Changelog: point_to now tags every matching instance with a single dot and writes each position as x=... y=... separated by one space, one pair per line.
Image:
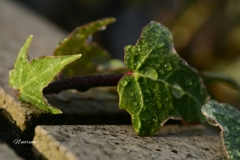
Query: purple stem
x=83 y=83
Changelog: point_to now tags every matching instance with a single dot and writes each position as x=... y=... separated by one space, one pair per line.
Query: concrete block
x=120 y=142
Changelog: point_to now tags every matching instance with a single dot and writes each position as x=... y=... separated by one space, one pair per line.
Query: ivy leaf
x=228 y=119
x=160 y=85
x=29 y=78
x=78 y=42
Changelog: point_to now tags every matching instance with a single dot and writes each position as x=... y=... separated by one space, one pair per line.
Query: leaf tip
x=56 y=111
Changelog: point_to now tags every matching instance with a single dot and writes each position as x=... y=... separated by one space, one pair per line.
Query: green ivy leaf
x=160 y=85
x=77 y=42
x=228 y=119
x=31 y=77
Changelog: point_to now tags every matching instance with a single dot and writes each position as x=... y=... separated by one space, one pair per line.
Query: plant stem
x=83 y=83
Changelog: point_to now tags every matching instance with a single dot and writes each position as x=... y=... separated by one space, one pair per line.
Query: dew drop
x=175 y=62
x=168 y=67
x=134 y=103
x=160 y=43
x=131 y=94
x=151 y=73
x=123 y=82
x=138 y=64
x=133 y=117
x=127 y=77
x=147 y=91
x=161 y=71
x=177 y=91
x=128 y=48
x=157 y=64
x=189 y=82
x=34 y=84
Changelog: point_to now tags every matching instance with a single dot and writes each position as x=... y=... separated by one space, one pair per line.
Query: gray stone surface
x=120 y=142
x=7 y=153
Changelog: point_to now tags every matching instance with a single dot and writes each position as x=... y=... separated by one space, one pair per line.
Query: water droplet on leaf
x=131 y=94
x=134 y=103
x=127 y=77
x=151 y=73
x=189 y=82
x=34 y=84
x=138 y=64
x=123 y=82
x=160 y=43
x=168 y=67
x=147 y=91
x=161 y=71
x=177 y=91
x=175 y=62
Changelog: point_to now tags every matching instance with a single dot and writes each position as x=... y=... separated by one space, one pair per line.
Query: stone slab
x=120 y=142
x=8 y=153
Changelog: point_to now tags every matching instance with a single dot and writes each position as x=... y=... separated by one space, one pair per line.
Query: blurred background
x=206 y=33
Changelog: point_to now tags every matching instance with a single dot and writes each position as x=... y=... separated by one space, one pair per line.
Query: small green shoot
x=29 y=78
